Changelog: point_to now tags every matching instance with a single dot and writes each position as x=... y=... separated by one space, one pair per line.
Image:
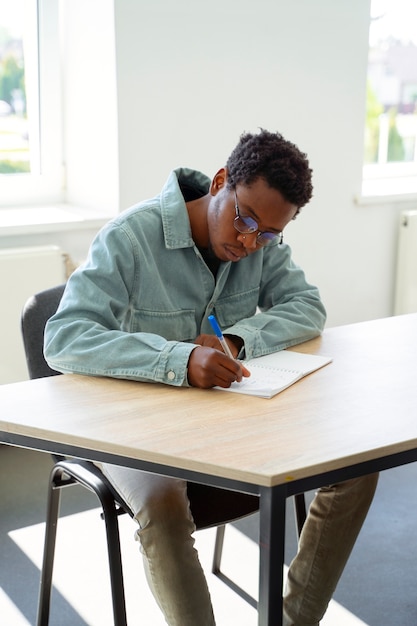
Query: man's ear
x=219 y=181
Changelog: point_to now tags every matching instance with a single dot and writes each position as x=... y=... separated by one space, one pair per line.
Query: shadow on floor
x=378 y=584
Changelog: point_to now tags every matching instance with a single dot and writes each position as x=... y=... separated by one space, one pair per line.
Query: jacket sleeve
x=89 y=334
x=290 y=310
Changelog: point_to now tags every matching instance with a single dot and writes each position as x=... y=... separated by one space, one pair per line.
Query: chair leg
x=110 y=516
x=218 y=549
x=300 y=511
x=52 y=512
x=300 y=515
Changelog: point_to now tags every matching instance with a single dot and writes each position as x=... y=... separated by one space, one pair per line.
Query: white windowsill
x=391 y=188
x=45 y=219
x=403 y=198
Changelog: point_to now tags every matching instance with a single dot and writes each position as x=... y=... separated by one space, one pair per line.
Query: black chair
x=210 y=506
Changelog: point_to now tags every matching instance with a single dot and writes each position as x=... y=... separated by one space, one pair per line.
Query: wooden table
x=354 y=416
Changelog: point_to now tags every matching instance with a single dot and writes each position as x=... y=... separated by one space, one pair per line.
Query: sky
x=399 y=20
x=11 y=12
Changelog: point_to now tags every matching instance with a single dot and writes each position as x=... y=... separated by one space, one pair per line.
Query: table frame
x=272 y=509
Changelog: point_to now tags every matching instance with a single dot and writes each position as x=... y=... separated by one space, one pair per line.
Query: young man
x=138 y=309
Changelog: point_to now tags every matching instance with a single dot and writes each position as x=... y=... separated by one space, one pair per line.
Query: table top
x=360 y=407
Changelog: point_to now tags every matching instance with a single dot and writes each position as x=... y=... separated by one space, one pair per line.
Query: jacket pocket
x=236 y=307
x=172 y=325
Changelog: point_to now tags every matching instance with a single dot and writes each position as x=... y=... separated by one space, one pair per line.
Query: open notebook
x=275 y=372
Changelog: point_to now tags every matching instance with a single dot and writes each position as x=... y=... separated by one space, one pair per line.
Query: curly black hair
x=271 y=157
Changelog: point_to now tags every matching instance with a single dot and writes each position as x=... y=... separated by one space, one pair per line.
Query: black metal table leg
x=271 y=544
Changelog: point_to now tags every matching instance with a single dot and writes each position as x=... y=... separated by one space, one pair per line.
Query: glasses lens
x=245 y=224
x=264 y=239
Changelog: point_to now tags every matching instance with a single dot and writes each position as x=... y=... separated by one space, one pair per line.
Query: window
x=14 y=131
x=390 y=159
x=30 y=102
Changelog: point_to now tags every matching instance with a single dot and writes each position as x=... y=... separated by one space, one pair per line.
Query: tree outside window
x=391 y=113
x=14 y=136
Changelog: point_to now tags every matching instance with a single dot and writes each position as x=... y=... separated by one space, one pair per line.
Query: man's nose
x=249 y=240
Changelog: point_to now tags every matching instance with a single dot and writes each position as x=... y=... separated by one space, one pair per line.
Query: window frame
x=44 y=100
x=389 y=179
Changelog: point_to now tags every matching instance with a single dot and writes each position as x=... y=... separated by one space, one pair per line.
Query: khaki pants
x=333 y=523
x=171 y=562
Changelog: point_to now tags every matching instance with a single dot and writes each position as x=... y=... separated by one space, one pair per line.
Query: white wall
x=191 y=77
x=89 y=95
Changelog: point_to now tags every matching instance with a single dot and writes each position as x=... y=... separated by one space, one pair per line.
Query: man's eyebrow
x=256 y=217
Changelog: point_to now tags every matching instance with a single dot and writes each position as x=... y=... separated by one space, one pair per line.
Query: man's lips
x=235 y=254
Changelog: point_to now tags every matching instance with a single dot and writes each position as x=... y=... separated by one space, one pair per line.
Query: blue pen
x=215 y=325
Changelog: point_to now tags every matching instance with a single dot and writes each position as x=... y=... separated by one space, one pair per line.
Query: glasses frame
x=263 y=238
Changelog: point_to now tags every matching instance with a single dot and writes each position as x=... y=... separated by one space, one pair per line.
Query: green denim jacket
x=144 y=294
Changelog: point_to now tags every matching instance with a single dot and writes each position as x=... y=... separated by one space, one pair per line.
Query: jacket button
x=171 y=375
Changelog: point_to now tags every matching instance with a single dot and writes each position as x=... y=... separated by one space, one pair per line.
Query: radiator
x=406 y=274
x=23 y=272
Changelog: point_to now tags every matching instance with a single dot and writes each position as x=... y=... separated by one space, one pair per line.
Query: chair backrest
x=36 y=312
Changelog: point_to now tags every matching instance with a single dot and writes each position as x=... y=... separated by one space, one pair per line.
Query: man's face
x=263 y=204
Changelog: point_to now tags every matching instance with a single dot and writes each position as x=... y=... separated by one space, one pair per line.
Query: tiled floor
x=378 y=583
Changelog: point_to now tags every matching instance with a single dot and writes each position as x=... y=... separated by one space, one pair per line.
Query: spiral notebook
x=275 y=372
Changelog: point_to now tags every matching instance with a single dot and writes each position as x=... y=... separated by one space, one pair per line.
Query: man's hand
x=212 y=342
x=209 y=366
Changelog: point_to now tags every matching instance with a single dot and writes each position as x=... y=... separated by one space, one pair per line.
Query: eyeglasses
x=247 y=225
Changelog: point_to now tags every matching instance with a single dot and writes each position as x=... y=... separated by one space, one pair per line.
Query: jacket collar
x=175 y=221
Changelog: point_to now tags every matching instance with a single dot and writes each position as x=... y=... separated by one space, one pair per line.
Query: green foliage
x=396 y=150
x=373 y=110
x=12 y=76
x=14 y=167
